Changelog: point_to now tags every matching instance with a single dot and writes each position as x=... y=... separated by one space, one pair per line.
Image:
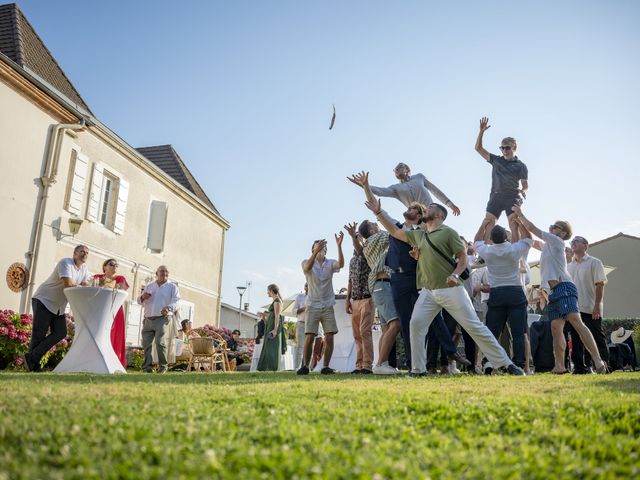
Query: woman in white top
x=563 y=300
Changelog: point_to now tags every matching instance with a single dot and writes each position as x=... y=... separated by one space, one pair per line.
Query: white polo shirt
x=553 y=262
x=51 y=291
x=586 y=273
x=320 y=283
x=165 y=295
x=503 y=261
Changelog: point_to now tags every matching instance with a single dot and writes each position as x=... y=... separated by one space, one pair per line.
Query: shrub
x=137 y=358
x=15 y=335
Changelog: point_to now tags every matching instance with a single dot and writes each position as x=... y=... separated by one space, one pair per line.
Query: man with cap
x=589 y=277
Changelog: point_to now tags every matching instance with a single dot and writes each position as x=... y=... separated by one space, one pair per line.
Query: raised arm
x=339 y=237
x=387 y=222
x=308 y=265
x=484 y=125
x=362 y=180
x=351 y=230
x=524 y=233
x=441 y=196
x=526 y=222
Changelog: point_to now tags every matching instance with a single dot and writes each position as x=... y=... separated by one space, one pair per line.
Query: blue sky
x=243 y=91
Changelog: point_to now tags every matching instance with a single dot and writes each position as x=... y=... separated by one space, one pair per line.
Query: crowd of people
x=429 y=285
x=425 y=282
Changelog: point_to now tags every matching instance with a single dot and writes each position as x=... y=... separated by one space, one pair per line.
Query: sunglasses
x=555 y=226
x=113 y=264
x=505 y=148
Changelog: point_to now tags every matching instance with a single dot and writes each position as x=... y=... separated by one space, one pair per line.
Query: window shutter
x=93 y=208
x=121 y=206
x=80 y=165
x=157 y=226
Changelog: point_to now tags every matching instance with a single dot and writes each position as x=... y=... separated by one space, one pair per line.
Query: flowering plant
x=137 y=358
x=15 y=335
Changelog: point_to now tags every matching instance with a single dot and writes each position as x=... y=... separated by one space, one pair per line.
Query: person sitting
x=185 y=334
x=234 y=356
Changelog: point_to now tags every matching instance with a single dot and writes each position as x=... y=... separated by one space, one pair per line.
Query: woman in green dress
x=271 y=348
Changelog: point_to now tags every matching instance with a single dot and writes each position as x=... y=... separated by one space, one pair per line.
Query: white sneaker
x=385 y=370
x=453 y=370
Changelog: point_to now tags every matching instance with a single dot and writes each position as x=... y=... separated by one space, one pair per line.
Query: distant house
x=62 y=167
x=234 y=318
x=622 y=292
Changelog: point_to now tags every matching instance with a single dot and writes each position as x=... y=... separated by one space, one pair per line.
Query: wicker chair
x=212 y=350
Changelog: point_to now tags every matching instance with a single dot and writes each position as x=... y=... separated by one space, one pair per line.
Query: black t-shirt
x=506 y=174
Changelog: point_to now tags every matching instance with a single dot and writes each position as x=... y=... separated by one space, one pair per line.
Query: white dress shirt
x=503 y=261
x=51 y=291
x=299 y=302
x=165 y=295
x=586 y=273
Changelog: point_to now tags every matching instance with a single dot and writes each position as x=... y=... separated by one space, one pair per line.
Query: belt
x=383 y=279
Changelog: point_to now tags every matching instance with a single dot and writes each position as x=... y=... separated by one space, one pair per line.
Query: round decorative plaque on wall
x=17 y=277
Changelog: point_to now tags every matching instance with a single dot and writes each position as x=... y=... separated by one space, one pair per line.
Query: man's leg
x=586 y=337
x=299 y=343
x=470 y=350
x=388 y=340
x=43 y=319
x=518 y=323
x=162 y=332
x=577 y=350
x=424 y=311
x=308 y=347
x=595 y=327
x=559 y=345
x=405 y=294
x=356 y=319
x=456 y=301
x=328 y=349
x=366 y=324
x=147 y=334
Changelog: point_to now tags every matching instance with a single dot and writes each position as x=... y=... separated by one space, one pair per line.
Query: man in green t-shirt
x=441 y=287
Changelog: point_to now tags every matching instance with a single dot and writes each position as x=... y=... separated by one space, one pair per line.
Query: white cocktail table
x=93 y=311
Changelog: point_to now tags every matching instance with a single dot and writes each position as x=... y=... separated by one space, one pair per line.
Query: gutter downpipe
x=48 y=178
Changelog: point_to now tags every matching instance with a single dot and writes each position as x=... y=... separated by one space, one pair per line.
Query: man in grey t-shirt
x=506 y=175
x=411 y=189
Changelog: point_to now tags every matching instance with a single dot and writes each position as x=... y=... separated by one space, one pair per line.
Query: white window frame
x=117 y=201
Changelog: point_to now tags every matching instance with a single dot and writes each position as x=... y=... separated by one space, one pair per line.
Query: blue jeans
x=509 y=304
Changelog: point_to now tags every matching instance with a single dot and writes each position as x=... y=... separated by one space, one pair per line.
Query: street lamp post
x=241 y=291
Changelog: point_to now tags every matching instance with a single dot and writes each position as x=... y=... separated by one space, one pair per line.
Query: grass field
x=278 y=425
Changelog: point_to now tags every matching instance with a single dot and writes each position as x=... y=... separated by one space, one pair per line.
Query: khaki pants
x=155 y=330
x=361 y=323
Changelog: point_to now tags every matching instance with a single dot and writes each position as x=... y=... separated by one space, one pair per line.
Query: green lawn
x=244 y=426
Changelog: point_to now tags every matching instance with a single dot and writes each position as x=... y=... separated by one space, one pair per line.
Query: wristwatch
x=456 y=276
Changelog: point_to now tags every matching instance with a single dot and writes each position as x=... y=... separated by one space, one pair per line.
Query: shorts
x=383 y=300
x=502 y=202
x=563 y=300
x=320 y=315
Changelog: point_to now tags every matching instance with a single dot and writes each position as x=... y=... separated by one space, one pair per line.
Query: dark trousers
x=405 y=294
x=579 y=356
x=440 y=339
x=509 y=304
x=43 y=320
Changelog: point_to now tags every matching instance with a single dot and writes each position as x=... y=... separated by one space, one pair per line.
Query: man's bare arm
x=439 y=194
x=526 y=222
x=484 y=125
x=387 y=221
x=481 y=234
x=525 y=187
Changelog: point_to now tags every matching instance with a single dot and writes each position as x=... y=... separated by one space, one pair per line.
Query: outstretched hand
x=374 y=206
x=361 y=179
x=321 y=245
x=351 y=229
x=455 y=209
x=339 y=237
x=484 y=124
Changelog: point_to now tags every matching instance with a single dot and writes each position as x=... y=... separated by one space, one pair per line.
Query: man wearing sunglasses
x=508 y=172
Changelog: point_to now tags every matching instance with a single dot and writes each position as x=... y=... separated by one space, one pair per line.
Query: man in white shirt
x=300 y=309
x=411 y=189
x=563 y=300
x=319 y=270
x=507 y=301
x=49 y=303
x=159 y=299
x=589 y=276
